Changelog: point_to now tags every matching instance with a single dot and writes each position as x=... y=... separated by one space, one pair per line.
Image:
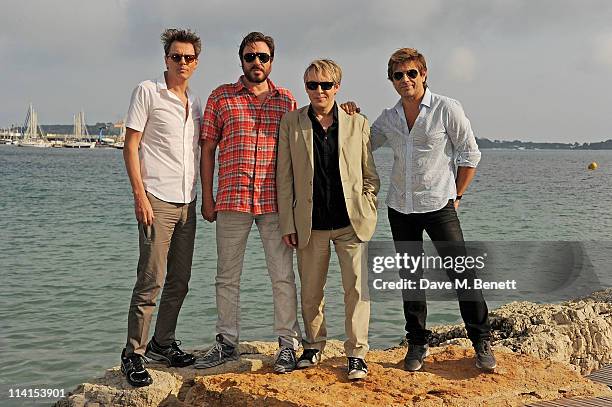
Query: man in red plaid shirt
x=242 y=120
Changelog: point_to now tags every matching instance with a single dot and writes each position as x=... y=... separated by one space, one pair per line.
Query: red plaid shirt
x=247 y=133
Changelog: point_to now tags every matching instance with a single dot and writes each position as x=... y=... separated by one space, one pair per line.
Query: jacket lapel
x=343 y=140
x=307 y=133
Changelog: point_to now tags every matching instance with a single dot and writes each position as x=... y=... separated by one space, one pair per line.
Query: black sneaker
x=310 y=357
x=357 y=368
x=171 y=355
x=485 y=359
x=285 y=360
x=132 y=366
x=415 y=356
x=217 y=355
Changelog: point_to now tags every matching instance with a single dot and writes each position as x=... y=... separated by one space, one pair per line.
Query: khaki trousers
x=166 y=251
x=313 y=265
x=232 y=232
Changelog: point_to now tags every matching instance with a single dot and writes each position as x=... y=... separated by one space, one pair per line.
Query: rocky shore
x=543 y=352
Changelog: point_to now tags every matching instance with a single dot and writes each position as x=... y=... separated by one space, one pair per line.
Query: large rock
x=577 y=333
x=541 y=349
x=448 y=379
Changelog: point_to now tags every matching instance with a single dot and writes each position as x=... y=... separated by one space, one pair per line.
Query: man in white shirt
x=435 y=159
x=161 y=156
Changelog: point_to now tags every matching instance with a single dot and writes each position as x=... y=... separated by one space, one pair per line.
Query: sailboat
x=33 y=135
x=121 y=139
x=80 y=137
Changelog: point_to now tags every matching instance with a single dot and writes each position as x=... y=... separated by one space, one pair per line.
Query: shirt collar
x=160 y=83
x=426 y=101
x=311 y=112
x=426 y=98
x=240 y=86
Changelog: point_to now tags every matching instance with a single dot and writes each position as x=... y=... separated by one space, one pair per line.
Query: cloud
x=602 y=49
x=462 y=64
x=73 y=54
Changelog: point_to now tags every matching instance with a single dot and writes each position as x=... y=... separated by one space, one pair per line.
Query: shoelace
x=216 y=348
x=176 y=350
x=484 y=347
x=355 y=364
x=309 y=354
x=138 y=362
x=286 y=355
x=416 y=352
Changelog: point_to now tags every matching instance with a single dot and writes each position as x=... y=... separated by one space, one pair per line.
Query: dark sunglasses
x=177 y=58
x=411 y=73
x=262 y=56
x=312 y=85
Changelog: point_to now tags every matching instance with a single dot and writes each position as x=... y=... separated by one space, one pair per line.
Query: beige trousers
x=166 y=251
x=313 y=265
x=233 y=229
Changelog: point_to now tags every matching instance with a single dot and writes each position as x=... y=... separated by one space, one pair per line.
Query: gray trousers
x=232 y=232
x=166 y=251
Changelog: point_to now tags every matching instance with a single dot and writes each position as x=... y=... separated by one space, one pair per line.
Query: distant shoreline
x=485 y=143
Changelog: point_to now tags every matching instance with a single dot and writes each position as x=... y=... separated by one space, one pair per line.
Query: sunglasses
x=312 y=85
x=411 y=73
x=262 y=56
x=178 y=57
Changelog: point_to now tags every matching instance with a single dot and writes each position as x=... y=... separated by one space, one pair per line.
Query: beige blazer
x=295 y=172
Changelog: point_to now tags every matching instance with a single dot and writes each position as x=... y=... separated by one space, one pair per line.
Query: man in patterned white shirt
x=435 y=159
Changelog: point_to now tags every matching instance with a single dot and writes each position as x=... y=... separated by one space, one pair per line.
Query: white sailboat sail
x=121 y=138
x=32 y=135
x=80 y=137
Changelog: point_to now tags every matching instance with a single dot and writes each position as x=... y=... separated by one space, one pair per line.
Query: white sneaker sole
x=359 y=374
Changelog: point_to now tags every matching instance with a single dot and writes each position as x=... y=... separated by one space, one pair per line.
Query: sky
x=537 y=70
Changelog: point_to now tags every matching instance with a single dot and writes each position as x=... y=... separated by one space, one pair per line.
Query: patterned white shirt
x=427 y=156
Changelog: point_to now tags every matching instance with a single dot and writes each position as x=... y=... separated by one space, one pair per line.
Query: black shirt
x=329 y=208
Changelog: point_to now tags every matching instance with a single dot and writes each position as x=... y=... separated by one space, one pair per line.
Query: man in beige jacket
x=327 y=186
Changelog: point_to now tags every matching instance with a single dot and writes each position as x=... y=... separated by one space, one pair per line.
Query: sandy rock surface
x=541 y=350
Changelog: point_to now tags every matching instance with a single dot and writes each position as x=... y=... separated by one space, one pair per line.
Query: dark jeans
x=444 y=229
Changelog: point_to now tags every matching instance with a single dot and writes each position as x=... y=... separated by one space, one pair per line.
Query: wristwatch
x=458 y=197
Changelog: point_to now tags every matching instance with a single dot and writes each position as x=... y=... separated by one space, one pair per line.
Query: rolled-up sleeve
x=460 y=132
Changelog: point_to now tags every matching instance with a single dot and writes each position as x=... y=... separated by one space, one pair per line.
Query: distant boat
x=33 y=135
x=80 y=137
x=121 y=139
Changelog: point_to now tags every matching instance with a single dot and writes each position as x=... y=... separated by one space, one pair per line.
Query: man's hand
x=456 y=203
x=208 y=210
x=290 y=240
x=350 y=107
x=143 y=210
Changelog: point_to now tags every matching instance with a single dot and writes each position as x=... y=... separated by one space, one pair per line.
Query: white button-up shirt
x=169 y=149
x=426 y=157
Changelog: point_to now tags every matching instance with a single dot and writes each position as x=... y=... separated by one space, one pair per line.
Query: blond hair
x=326 y=66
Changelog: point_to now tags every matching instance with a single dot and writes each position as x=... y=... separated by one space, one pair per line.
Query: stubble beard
x=254 y=79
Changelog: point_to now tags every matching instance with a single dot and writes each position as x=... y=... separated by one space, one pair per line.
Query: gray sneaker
x=285 y=360
x=485 y=360
x=310 y=357
x=217 y=355
x=415 y=356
